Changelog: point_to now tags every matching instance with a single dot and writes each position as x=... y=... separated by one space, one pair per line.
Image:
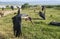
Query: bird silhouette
x=42 y=15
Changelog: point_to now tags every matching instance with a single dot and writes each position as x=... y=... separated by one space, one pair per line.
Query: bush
x=26 y=5
x=7 y=6
x=48 y=6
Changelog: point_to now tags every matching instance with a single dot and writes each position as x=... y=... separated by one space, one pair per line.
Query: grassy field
x=40 y=29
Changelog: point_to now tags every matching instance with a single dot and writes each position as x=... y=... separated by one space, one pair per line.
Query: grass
x=8 y=9
x=40 y=29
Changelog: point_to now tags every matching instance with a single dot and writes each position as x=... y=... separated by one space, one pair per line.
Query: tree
x=7 y=6
x=26 y=5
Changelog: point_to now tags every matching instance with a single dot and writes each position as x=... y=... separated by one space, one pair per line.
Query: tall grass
x=40 y=29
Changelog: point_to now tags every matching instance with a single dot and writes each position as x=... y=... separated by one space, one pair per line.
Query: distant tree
x=26 y=5
x=7 y=6
x=57 y=5
x=49 y=6
x=36 y=5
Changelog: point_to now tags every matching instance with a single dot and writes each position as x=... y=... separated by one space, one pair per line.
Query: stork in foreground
x=17 y=24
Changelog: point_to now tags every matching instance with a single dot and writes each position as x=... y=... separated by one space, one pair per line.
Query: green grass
x=8 y=9
x=40 y=29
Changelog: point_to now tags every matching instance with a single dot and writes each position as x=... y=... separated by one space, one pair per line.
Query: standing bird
x=17 y=24
x=43 y=9
x=12 y=7
x=42 y=15
x=2 y=8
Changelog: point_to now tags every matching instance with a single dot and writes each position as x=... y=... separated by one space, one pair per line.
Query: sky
x=28 y=0
x=35 y=1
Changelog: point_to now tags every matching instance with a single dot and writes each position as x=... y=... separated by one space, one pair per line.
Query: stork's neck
x=18 y=10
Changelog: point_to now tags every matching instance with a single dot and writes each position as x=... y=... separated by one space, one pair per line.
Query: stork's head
x=19 y=10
